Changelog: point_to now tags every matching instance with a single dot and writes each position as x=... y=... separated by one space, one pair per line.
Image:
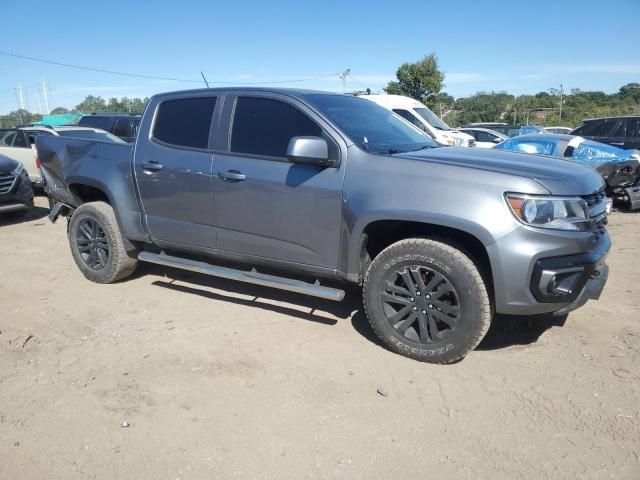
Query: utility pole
x=20 y=96
x=45 y=95
x=560 y=113
x=343 y=76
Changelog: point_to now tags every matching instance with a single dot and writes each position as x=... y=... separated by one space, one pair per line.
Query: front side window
x=372 y=127
x=185 y=122
x=432 y=119
x=264 y=127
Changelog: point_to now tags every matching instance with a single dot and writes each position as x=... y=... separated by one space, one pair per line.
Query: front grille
x=6 y=183
x=594 y=198
x=597 y=211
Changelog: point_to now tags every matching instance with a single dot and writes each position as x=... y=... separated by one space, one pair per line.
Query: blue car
x=619 y=168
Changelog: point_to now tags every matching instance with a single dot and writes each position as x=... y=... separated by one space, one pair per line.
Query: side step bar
x=289 y=284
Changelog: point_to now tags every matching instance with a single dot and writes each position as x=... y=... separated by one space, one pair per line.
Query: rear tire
x=426 y=300
x=97 y=245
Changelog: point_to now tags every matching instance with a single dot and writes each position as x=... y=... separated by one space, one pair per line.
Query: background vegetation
x=424 y=81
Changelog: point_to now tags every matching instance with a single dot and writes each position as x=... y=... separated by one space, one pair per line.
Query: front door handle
x=616 y=143
x=232 y=175
x=152 y=165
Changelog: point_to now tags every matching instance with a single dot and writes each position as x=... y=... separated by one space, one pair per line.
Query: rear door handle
x=152 y=165
x=616 y=143
x=232 y=175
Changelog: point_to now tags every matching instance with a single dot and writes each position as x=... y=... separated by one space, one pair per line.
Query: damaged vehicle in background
x=16 y=192
x=620 y=169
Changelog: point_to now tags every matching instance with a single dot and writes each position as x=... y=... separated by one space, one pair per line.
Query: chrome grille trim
x=6 y=183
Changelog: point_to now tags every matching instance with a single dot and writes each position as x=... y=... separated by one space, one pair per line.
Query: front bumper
x=545 y=271
x=20 y=197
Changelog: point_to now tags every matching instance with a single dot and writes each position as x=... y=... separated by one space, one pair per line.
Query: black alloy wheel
x=420 y=304
x=93 y=244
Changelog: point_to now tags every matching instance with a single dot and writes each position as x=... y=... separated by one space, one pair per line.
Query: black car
x=623 y=132
x=123 y=125
x=16 y=192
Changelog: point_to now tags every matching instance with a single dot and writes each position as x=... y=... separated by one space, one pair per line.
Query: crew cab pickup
x=297 y=187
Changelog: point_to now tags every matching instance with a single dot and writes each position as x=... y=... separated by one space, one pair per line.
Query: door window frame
x=231 y=102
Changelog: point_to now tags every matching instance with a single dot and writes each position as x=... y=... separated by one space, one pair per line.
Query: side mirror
x=497 y=140
x=309 y=151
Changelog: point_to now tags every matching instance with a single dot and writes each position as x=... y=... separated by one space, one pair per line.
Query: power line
x=153 y=77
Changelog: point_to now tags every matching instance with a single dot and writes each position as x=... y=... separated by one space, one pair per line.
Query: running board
x=289 y=284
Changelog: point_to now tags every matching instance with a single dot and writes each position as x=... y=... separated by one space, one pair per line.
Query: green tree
x=421 y=80
x=59 y=111
x=91 y=104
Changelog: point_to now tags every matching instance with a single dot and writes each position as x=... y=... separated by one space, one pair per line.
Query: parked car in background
x=529 y=129
x=623 y=132
x=620 y=169
x=559 y=130
x=16 y=192
x=124 y=126
x=20 y=144
x=15 y=144
x=485 y=137
x=423 y=118
x=321 y=185
x=503 y=128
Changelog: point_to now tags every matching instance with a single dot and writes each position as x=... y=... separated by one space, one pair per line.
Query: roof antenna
x=205 y=80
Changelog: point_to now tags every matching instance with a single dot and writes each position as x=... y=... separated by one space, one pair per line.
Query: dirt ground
x=224 y=380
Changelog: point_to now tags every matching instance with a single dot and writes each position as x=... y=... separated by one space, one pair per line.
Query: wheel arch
x=378 y=234
x=85 y=190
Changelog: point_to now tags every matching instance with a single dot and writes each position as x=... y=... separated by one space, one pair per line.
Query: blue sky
x=520 y=47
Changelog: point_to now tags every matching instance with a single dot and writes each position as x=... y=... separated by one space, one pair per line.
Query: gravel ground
x=223 y=380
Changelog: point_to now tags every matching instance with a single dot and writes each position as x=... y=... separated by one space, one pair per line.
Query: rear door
x=265 y=206
x=15 y=144
x=173 y=170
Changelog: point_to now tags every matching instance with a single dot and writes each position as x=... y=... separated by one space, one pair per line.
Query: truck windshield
x=371 y=126
x=431 y=118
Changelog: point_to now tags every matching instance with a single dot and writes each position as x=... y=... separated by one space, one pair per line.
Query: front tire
x=97 y=245
x=426 y=300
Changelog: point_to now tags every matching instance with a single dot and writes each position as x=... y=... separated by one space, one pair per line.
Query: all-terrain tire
x=117 y=263
x=456 y=306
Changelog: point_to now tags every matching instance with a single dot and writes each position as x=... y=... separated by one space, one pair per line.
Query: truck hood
x=560 y=177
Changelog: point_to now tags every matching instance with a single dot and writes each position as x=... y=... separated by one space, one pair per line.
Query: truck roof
x=294 y=92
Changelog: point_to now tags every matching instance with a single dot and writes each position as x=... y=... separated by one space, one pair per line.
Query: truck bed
x=72 y=167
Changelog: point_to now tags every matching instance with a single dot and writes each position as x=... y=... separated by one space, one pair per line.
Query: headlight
x=559 y=213
x=18 y=170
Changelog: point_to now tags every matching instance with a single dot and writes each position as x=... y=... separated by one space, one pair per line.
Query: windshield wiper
x=424 y=147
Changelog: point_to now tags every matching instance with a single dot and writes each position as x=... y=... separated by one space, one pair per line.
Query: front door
x=173 y=172
x=267 y=207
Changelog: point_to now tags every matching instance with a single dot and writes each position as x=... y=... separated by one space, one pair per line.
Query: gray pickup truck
x=313 y=186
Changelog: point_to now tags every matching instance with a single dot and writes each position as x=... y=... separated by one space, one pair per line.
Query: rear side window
x=598 y=128
x=103 y=123
x=262 y=126
x=633 y=127
x=122 y=128
x=185 y=122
